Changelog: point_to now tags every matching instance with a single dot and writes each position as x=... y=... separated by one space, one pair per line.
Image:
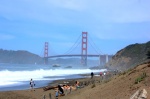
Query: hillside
x=19 y=57
x=121 y=86
x=129 y=57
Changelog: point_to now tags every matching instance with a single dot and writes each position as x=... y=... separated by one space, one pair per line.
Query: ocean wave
x=12 y=77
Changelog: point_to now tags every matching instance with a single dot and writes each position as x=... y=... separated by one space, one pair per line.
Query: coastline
x=113 y=86
x=39 y=83
x=39 y=92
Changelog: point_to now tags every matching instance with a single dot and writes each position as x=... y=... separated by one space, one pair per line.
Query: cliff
x=129 y=56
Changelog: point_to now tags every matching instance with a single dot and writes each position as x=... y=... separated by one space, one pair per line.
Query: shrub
x=140 y=78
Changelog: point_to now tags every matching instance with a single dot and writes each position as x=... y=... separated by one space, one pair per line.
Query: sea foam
x=17 y=77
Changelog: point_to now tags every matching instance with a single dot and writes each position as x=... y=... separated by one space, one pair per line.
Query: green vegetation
x=140 y=78
x=148 y=54
x=130 y=56
x=148 y=57
x=137 y=48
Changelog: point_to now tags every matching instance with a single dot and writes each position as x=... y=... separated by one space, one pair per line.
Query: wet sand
x=39 y=93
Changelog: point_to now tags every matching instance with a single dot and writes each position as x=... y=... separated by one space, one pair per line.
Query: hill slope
x=121 y=86
x=130 y=56
x=19 y=57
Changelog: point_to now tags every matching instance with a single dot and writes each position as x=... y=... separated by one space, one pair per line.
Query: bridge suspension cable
x=94 y=46
x=51 y=50
x=77 y=42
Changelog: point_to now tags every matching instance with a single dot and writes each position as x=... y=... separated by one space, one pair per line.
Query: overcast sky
x=111 y=24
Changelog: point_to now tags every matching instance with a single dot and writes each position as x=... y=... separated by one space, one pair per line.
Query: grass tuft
x=140 y=78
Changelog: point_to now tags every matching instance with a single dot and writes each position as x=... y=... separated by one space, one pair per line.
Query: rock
x=135 y=95
x=139 y=94
x=143 y=94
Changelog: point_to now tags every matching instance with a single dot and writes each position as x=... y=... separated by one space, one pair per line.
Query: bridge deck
x=77 y=55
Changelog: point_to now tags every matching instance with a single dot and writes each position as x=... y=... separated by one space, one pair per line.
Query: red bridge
x=104 y=58
x=74 y=55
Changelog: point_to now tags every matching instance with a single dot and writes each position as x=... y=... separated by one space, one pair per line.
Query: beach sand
x=120 y=86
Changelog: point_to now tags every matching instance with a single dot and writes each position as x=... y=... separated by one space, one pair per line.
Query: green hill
x=130 y=56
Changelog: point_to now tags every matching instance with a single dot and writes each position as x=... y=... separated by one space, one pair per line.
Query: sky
x=111 y=24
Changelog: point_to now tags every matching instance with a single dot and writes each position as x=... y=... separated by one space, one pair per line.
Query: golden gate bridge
x=104 y=58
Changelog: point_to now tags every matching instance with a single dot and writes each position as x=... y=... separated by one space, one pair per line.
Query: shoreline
x=111 y=86
x=39 y=92
x=50 y=83
x=65 y=81
x=41 y=84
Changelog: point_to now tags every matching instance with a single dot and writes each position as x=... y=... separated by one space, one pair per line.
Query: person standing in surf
x=92 y=74
x=32 y=84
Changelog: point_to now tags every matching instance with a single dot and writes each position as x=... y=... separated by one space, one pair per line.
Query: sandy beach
x=120 y=86
x=39 y=93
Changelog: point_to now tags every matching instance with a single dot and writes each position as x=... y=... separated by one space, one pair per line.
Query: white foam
x=15 y=77
x=7 y=83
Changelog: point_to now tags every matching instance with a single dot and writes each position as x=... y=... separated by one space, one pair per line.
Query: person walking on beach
x=92 y=74
x=32 y=84
x=101 y=76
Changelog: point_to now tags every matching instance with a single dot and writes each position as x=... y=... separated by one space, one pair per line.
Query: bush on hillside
x=140 y=78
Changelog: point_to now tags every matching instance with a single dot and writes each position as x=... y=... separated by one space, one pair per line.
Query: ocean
x=17 y=76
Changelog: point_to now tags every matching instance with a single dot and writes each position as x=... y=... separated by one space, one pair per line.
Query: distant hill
x=19 y=57
x=129 y=56
x=73 y=61
x=25 y=57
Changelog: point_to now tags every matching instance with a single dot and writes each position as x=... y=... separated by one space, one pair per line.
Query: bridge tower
x=46 y=53
x=103 y=60
x=84 y=48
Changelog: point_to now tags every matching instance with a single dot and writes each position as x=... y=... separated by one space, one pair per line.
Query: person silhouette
x=92 y=74
x=32 y=84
